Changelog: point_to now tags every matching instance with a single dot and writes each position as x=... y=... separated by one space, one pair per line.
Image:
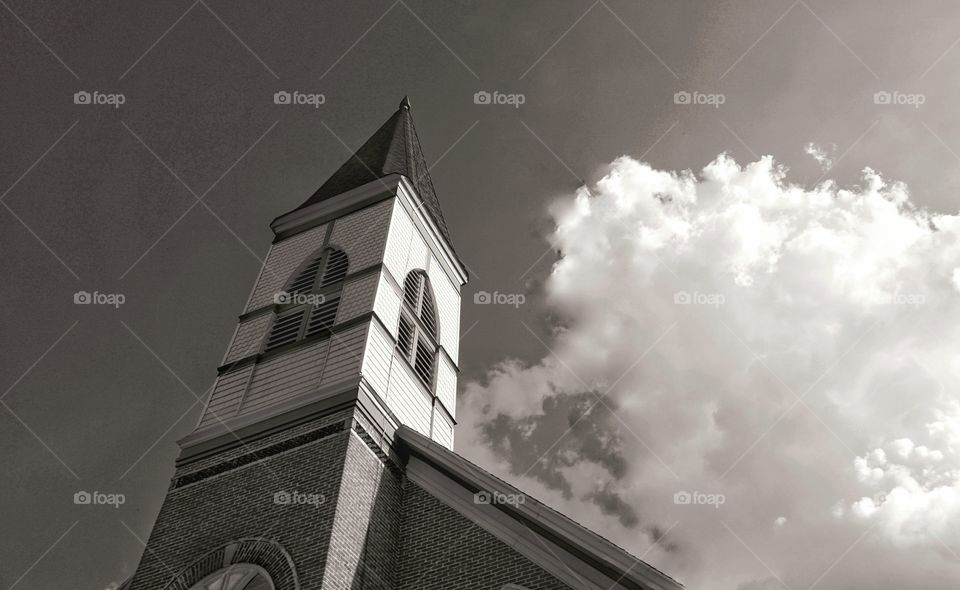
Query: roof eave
x=591 y=547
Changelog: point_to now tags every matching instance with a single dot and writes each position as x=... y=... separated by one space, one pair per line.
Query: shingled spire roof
x=393 y=149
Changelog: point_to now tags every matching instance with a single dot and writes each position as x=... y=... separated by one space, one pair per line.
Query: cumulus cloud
x=731 y=335
x=822 y=155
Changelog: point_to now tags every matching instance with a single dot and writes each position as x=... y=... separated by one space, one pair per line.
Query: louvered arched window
x=308 y=306
x=241 y=576
x=417 y=329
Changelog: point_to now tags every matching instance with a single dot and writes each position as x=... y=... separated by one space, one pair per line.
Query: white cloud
x=823 y=156
x=844 y=297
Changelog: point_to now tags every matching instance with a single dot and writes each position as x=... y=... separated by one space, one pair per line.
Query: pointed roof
x=393 y=149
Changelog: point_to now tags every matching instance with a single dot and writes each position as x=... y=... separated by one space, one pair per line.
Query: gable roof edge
x=577 y=539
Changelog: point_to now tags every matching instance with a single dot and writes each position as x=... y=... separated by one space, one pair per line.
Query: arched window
x=308 y=306
x=417 y=329
x=240 y=576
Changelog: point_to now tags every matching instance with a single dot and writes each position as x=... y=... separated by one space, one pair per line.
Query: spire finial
x=405 y=103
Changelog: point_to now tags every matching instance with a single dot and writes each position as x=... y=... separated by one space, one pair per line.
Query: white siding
x=406 y=248
x=377 y=359
x=393 y=380
x=398 y=241
x=387 y=305
x=288 y=375
x=357 y=297
x=448 y=309
x=407 y=399
x=284 y=376
x=442 y=429
x=447 y=384
x=346 y=353
x=284 y=258
x=363 y=235
x=225 y=398
x=249 y=337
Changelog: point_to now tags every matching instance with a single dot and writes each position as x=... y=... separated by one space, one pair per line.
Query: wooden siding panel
x=377 y=359
x=225 y=398
x=442 y=429
x=346 y=352
x=398 y=241
x=357 y=297
x=447 y=298
x=387 y=305
x=285 y=376
x=283 y=260
x=249 y=337
x=363 y=234
x=407 y=400
x=447 y=384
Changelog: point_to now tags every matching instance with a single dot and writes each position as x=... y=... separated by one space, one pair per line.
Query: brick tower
x=323 y=458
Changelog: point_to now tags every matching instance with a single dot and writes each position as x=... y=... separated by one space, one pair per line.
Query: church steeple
x=393 y=149
x=323 y=458
x=358 y=302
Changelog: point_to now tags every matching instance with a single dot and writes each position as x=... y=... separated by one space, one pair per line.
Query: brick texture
x=238 y=504
x=366 y=532
x=373 y=530
x=440 y=549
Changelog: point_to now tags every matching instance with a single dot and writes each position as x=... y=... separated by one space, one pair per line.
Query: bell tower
x=359 y=296
x=350 y=332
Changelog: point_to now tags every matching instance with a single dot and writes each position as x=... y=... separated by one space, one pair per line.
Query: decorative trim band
x=257 y=455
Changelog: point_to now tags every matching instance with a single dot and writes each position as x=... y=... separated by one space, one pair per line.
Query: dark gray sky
x=104 y=199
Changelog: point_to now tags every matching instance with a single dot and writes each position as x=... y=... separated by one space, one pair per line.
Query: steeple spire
x=392 y=149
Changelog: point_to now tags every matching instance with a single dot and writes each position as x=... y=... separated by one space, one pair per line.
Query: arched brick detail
x=263 y=552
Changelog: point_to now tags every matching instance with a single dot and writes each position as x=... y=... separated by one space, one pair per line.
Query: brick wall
x=440 y=549
x=199 y=517
x=373 y=530
x=349 y=540
x=366 y=529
